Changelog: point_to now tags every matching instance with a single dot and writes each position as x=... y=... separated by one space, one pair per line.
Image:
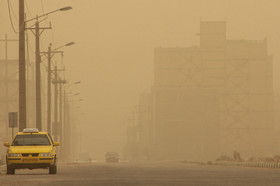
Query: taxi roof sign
x=30 y=130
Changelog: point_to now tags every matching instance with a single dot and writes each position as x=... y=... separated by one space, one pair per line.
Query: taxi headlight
x=13 y=155
x=46 y=154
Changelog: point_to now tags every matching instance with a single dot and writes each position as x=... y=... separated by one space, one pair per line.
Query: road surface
x=153 y=173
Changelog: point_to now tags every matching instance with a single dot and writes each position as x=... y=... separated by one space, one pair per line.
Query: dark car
x=112 y=157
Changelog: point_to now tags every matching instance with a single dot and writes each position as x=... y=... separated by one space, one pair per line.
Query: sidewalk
x=3 y=169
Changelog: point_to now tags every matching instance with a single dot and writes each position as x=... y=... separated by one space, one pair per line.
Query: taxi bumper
x=31 y=163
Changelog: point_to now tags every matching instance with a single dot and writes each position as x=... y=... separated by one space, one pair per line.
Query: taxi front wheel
x=53 y=168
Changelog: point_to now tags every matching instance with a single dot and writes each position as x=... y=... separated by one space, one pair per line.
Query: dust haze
x=161 y=79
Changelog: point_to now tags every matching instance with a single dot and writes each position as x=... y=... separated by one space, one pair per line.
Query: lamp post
x=49 y=56
x=49 y=91
x=38 y=78
x=63 y=112
x=68 y=121
x=51 y=12
x=38 y=73
x=74 y=128
x=22 y=76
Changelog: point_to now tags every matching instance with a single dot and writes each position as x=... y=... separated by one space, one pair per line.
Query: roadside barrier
x=273 y=165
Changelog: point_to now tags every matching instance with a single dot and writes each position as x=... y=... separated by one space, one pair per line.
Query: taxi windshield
x=31 y=140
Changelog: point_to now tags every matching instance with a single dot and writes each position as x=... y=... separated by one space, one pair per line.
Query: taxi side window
x=50 y=138
x=15 y=143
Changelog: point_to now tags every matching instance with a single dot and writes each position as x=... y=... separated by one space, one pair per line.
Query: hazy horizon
x=114 y=52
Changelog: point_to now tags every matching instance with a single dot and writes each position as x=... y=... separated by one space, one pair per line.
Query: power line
x=13 y=12
x=28 y=10
x=27 y=47
x=43 y=10
x=53 y=39
x=11 y=21
x=42 y=7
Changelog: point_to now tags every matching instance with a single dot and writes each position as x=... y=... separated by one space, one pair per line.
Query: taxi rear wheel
x=10 y=170
x=52 y=169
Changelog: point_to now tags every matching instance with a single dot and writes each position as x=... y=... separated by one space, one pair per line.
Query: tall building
x=9 y=91
x=213 y=99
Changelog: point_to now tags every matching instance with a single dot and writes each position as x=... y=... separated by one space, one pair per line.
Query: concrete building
x=212 y=99
x=9 y=92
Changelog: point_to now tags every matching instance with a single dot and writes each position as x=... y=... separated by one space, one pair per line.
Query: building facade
x=212 y=99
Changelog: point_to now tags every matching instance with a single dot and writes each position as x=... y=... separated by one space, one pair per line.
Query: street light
x=22 y=75
x=49 y=56
x=66 y=8
x=65 y=45
x=76 y=94
x=38 y=61
x=46 y=14
x=71 y=43
x=77 y=82
x=67 y=122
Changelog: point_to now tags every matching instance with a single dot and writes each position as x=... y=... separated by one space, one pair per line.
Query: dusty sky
x=115 y=41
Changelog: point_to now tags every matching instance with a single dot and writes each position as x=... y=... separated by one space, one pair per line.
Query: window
x=50 y=138
x=31 y=140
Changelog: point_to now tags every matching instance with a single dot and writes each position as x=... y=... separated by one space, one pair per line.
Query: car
x=83 y=157
x=31 y=149
x=112 y=157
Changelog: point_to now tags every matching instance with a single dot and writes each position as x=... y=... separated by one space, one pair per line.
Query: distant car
x=83 y=158
x=112 y=157
x=31 y=149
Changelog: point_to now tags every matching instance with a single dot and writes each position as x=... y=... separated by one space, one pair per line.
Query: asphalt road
x=156 y=173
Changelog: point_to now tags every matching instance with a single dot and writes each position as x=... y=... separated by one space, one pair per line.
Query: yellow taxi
x=31 y=149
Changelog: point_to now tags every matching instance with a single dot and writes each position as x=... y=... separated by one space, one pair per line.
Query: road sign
x=13 y=119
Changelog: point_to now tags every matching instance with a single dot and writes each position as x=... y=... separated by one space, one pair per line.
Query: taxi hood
x=30 y=149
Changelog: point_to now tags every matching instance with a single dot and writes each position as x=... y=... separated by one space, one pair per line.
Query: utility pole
x=55 y=102
x=67 y=130
x=38 y=78
x=49 y=90
x=57 y=81
x=61 y=82
x=65 y=120
x=49 y=55
x=22 y=76
x=67 y=125
x=38 y=73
